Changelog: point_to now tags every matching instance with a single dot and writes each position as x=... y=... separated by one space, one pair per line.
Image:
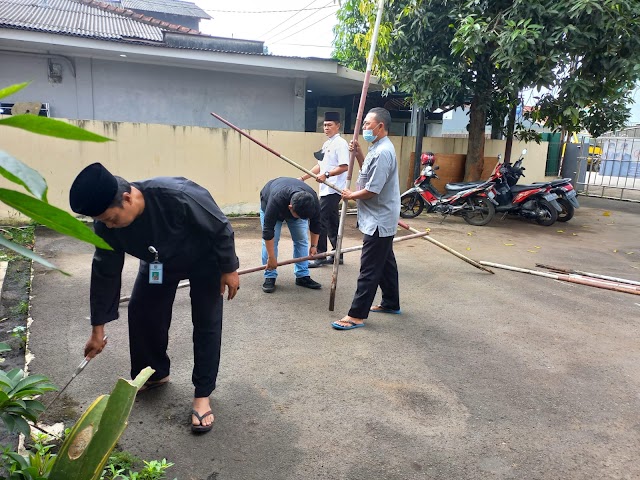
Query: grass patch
x=22 y=235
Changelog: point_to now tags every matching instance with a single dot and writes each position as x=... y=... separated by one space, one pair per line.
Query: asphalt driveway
x=504 y=376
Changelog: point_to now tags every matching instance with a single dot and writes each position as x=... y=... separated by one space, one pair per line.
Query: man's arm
x=306 y=176
x=355 y=148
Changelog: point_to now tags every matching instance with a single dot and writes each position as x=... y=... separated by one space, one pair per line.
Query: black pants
x=329 y=221
x=377 y=268
x=149 y=320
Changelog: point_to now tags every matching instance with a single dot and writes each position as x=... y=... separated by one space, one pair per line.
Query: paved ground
x=504 y=376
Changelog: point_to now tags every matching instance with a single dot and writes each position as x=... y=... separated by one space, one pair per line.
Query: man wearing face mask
x=333 y=163
x=378 y=199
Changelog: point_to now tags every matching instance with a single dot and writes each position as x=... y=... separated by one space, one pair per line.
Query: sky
x=299 y=28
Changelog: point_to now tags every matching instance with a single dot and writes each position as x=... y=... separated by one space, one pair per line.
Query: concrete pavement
x=503 y=376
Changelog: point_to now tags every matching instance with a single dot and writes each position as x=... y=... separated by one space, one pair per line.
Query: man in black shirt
x=178 y=232
x=289 y=200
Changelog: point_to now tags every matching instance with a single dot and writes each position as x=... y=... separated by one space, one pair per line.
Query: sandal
x=381 y=309
x=150 y=385
x=201 y=428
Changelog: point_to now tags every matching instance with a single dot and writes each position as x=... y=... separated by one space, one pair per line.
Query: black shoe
x=307 y=283
x=317 y=263
x=269 y=285
x=329 y=260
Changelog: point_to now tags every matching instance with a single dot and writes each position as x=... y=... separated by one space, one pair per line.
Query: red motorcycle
x=537 y=201
x=474 y=203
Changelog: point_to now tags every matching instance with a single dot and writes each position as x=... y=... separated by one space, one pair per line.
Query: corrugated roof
x=85 y=18
x=174 y=7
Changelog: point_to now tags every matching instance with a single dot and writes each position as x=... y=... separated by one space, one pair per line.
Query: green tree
x=582 y=55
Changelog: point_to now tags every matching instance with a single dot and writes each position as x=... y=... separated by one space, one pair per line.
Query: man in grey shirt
x=378 y=199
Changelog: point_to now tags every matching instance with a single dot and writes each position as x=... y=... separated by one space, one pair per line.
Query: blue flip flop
x=385 y=310
x=351 y=325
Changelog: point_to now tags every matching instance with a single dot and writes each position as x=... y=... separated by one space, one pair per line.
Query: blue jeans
x=299 y=229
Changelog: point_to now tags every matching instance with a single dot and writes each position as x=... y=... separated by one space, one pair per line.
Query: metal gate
x=609 y=167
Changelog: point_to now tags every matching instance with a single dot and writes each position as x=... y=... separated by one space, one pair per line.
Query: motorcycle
x=536 y=202
x=474 y=204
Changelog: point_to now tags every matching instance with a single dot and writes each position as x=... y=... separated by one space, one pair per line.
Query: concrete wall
x=123 y=91
x=232 y=167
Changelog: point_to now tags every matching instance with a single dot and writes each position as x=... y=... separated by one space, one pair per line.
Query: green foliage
x=35 y=205
x=17 y=393
x=117 y=469
x=584 y=55
x=20 y=331
x=23 y=236
x=85 y=452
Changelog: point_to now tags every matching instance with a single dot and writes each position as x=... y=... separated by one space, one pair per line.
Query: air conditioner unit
x=23 y=107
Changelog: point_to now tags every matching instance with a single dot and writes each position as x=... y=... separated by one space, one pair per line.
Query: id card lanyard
x=155 y=268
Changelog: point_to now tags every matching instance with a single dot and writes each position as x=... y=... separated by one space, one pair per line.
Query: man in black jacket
x=178 y=232
x=289 y=200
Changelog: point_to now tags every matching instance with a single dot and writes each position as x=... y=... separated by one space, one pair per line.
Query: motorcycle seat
x=522 y=188
x=456 y=187
x=560 y=181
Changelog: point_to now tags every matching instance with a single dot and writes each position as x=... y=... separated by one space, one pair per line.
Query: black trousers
x=377 y=268
x=329 y=221
x=150 y=318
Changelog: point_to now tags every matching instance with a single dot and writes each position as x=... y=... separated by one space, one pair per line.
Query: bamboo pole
x=448 y=249
x=279 y=155
x=569 y=278
x=301 y=259
x=587 y=274
x=356 y=132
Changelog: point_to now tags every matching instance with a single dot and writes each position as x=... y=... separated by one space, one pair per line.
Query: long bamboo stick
x=356 y=132
x=569 y=278
x=301 y=259
x=448 y=249
x=587 y=274
x=269 y=149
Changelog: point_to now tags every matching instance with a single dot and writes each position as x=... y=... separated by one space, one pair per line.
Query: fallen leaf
x=574 y=234
x=560 y=231
x=629 y=253
x=469 y=233
x=532 y=251
x=509 y=244
x=538 y=247
x=615 y=251
x=427 y=229
x=468 y=248
x=606 y=213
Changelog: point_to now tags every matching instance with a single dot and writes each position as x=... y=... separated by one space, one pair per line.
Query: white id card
x=155 y=272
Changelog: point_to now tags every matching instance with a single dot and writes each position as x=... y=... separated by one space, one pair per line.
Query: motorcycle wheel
x=567 y=210
x=482 y=213
x=411 y=205
x=549 y=213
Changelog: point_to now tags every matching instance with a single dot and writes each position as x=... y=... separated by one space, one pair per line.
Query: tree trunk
x=510 y=127
x=475 y=149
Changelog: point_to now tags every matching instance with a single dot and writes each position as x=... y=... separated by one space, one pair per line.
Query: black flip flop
x=201 y=428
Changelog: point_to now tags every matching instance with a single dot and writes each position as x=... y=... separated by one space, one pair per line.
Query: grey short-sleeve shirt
x=379 y=174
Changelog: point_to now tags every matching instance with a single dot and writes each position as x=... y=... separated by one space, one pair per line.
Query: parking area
x=504 y=376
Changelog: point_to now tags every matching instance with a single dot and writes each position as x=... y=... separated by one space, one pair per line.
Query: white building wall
x=124 y=91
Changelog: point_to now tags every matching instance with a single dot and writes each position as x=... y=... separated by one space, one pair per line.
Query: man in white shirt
x=333 y=163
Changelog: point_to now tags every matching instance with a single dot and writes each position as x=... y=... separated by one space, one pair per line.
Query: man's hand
x=272 y=263
x=354 y=147
x=313 y=250
x=321 y=178
x=96 y=342
x=346 y=194
x=231 y=281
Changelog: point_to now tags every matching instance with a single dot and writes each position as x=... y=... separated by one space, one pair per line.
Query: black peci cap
x=332 y=117
x=93 y=190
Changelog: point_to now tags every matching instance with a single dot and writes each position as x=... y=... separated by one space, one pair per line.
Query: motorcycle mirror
x=437 y=167
x=524 y=152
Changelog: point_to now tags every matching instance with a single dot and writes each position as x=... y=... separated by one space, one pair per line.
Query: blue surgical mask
x=368 y=135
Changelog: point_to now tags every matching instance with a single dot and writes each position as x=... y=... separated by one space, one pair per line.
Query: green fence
x=553 y=154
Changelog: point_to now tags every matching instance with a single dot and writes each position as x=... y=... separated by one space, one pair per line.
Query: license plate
x=571 y=194
x=550 y=196
x=491 y=195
